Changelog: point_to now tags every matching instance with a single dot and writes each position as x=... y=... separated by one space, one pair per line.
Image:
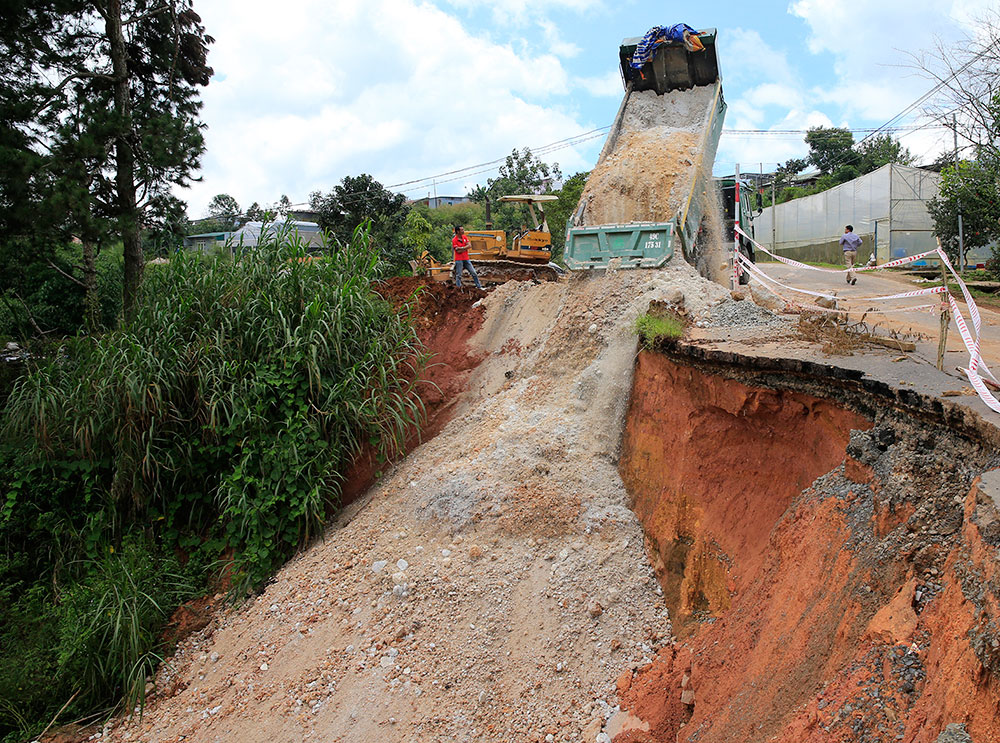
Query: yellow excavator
x=527 y=257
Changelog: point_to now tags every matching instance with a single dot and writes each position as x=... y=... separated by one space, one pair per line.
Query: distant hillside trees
x=560 y=211
x=522 y=173
x=833 y=151
x=225 y=210
x=357 y=199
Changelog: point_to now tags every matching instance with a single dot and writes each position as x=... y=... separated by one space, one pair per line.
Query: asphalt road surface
x=902 y=317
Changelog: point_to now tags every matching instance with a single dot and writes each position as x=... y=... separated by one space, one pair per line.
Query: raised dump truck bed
x=673 y=67
x=654 y=170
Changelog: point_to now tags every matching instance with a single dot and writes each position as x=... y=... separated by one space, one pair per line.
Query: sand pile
x=648 y=174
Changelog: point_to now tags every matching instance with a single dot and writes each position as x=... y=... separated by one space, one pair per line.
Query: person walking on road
x=460 y=247
x=850 y=243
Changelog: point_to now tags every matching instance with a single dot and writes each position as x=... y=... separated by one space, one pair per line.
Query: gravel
x=744 y=314
x=491 y=587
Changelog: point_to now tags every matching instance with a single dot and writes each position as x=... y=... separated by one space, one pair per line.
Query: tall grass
x=109 y=621
x=221 y=418
x=236 y=395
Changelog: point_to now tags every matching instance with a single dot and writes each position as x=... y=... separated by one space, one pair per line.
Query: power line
x=544 y=149
x=933 y=90
x=492 y=165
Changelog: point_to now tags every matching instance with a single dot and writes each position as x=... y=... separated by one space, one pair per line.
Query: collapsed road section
x=831 y=566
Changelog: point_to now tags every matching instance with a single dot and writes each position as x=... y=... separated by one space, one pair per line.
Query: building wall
x=434 y=202
x=207 y=242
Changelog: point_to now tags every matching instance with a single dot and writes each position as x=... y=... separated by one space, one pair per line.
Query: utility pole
x=961 y=237
x=736 y=237
x=774 y=212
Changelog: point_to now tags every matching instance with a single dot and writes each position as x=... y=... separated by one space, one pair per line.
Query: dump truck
x=527 y=257
x=645 y=198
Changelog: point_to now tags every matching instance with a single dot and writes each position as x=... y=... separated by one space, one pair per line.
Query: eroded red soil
x=445 y=320
x=861 y=607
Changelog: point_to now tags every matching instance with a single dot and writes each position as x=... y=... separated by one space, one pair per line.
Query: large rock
x=954 y=733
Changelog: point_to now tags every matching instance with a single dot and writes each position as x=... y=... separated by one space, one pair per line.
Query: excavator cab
x=531 y=245
x=672 y=66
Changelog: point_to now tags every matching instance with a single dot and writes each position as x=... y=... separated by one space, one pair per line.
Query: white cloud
x=751 y=150
x=853 y=75
x=396 y=88
x=607 y=85
x=555 y=42
x=872 y=44
x=745 y=58
x=507 y=12
x=764 y=91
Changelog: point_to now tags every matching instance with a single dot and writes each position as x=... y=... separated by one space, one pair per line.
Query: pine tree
x=100 y=105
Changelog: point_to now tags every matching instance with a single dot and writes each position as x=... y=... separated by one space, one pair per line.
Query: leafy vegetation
x=359 y=199
x=521 y=173
x=224 y=210
x=833 y=152
x=969 y=188
x=99 y=105
x=560 y=211
x=653 y=327
x=49 y=296
x=217 y=421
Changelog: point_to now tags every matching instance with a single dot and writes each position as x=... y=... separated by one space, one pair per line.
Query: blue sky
x=308 y=91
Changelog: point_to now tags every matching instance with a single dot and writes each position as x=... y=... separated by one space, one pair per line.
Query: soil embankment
x=833 y=578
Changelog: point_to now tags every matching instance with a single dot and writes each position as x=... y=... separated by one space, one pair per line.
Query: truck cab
x=750 y=207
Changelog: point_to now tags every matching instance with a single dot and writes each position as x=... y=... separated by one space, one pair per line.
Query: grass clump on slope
x=652 y=327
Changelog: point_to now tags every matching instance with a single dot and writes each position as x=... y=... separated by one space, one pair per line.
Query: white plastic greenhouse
x=887 y=208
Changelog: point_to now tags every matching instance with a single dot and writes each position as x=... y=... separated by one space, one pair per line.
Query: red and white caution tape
x=972 y=341
x=756 y=271
x=972 y=345
x=799 y=264
x=977 y=323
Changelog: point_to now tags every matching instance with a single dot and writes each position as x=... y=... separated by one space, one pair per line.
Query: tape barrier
x=974 y=360
x=756 y=271
x=798 y=264
x=971 y=340
x=977 y=322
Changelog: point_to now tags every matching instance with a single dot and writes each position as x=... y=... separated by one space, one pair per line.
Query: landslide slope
x=491 y=587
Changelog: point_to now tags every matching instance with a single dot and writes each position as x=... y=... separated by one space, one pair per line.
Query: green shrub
x=228 y=408
x=650 y=328
x=110 y=621
x=96 y=644
x=34 y=293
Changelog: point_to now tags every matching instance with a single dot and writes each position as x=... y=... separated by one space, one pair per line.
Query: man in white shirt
x=850 y=243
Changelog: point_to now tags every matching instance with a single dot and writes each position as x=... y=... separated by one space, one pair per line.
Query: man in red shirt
x=460 y=246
